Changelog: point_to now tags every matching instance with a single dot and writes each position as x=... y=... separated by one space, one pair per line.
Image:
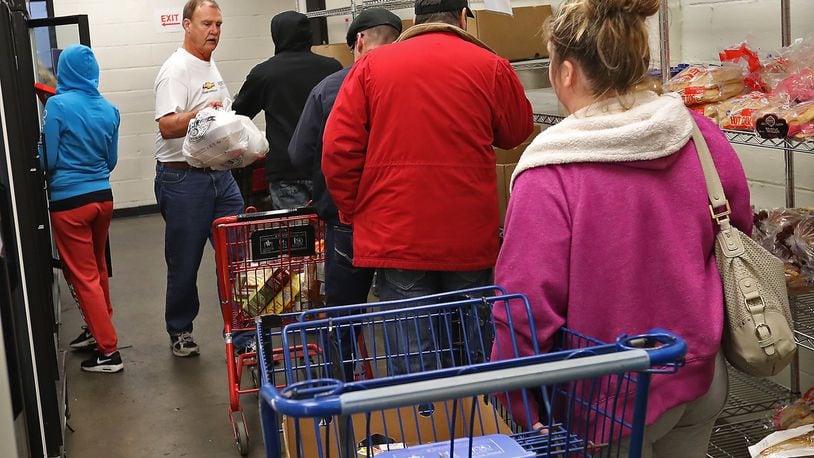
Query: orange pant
x=80 y=235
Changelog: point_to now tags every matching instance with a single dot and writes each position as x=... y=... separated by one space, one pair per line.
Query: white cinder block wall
x=130 y=52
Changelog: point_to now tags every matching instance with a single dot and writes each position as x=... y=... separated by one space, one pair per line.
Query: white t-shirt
x=184 y=83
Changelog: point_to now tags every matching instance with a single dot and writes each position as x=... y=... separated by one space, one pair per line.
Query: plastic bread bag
x=703 y=84
x=740 y=113
x=800 y=119
x=797 y=87
x=741 y=55
x=256 y=146
x=214 y=137
x=801 y=244
x=785 y=444
x=710 y=110
x=799 y=55
x=798 y=413
x=773 y=227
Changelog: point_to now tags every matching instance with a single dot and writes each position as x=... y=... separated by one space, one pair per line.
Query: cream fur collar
x=653 y=127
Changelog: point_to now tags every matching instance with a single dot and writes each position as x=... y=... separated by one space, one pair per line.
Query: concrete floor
x=160 y=405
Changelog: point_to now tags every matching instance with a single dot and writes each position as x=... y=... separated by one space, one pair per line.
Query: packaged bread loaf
x=740 y=113
x=700 y=84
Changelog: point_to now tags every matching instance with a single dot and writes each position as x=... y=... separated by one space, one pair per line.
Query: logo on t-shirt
x=208 y=86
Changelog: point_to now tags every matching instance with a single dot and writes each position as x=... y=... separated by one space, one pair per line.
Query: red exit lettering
x=169 y=19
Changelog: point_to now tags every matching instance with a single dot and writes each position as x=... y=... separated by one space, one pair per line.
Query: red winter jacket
x=407 y=151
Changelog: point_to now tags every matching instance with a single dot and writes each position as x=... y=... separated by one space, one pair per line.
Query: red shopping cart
x=268 y=263
x=436 y=394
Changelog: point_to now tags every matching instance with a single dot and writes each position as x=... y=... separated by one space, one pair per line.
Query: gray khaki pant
x=684 y=430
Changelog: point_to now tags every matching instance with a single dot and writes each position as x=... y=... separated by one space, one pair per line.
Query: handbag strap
x=715 y=191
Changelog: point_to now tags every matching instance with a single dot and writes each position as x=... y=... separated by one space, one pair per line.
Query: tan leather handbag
x=758 y=334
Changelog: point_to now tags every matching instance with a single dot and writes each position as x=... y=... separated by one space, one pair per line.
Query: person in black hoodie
x=280 y=87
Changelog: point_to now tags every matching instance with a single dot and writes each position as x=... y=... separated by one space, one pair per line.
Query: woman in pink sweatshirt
x=608 y=230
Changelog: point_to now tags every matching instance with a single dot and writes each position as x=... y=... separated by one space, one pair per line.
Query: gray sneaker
x=183 y=345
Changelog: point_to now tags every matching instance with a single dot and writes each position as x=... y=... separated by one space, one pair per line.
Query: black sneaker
x=183 y=345
x=101 y=363
x=85 y=341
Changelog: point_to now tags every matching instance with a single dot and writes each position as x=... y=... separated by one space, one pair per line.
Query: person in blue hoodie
x=81 y=132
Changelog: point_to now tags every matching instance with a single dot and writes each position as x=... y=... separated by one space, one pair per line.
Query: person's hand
x=539 y=427
x=215 y=104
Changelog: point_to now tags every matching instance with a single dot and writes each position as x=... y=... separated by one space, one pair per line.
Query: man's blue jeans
x=344 y=285
x=189 y=201
x=425 y=344
x=288 y=194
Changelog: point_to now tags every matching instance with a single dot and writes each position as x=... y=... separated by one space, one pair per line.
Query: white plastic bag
x=256 y=146
x=785 y=444
x=214 y=137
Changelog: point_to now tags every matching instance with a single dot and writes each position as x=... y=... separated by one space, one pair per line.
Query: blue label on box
x=493 y=446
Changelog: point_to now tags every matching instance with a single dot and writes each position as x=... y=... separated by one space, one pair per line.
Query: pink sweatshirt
x=622 y=247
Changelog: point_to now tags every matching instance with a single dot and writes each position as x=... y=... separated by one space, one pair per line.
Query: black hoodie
x=280 y=86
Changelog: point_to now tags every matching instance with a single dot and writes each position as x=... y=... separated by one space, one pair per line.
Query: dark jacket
x=305 y=149
x=279 y=87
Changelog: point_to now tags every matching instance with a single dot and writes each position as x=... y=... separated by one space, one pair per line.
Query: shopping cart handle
x=662 y=346
x=313 y=407
x=254 y=216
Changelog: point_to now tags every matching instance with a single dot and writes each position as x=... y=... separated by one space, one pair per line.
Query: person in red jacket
x=408 y=160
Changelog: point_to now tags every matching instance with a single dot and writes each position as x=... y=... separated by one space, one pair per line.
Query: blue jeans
x=288 y=194
x=344 y=285
x=423 y=343
x=189 y=201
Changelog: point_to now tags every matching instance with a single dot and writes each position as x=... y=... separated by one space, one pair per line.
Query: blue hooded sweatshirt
x=81 y=129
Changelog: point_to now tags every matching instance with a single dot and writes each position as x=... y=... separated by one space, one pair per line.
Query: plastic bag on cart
x=785 y=444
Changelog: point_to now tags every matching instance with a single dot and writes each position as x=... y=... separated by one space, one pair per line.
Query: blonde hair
x=607 y=38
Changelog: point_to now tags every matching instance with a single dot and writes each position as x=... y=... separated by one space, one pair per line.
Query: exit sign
x=167 y=20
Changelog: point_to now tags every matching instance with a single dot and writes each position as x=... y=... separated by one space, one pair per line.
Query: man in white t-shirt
x=189 y=198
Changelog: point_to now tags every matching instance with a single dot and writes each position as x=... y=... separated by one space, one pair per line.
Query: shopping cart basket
x=267 y=263
x=441 y=397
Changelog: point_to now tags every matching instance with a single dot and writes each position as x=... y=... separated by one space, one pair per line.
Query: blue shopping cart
x=430 y=389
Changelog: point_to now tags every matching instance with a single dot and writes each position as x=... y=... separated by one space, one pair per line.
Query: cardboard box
x=339 y=51
x=509 y=156
x=502 y=197
x=504 y=179
x=518 y=37
x=391 y=423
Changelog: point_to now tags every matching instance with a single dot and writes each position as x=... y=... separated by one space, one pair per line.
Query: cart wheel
x=241 y=435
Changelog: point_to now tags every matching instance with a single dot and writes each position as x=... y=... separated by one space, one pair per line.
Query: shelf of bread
x=771 y=95
x=751 y=139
